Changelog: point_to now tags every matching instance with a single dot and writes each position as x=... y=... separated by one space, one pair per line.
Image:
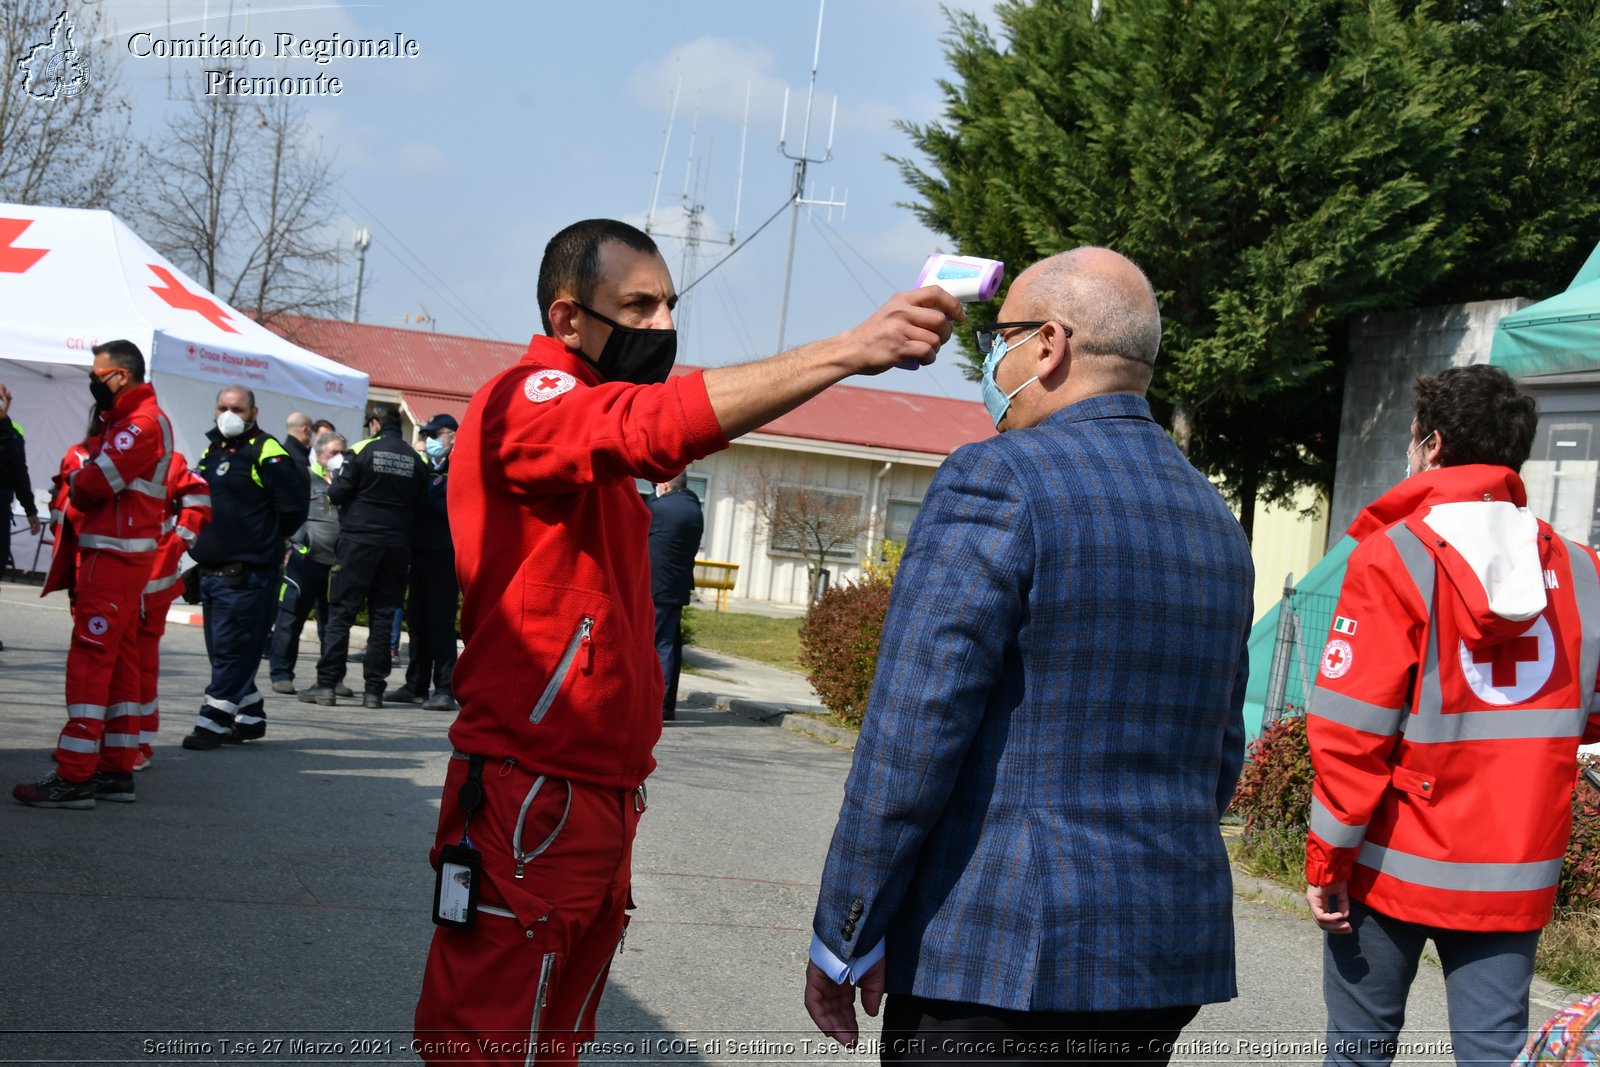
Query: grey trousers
x=1367 y=974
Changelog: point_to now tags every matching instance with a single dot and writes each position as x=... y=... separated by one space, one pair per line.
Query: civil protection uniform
x=560 y=692
x=1454 y=689
x=258 y=499
x=112 y=508
x=378 y=491
x=305 y=578
x=188 y=512
x=435 y=595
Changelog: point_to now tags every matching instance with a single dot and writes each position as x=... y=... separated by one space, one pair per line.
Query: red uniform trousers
x=103 y=709
x=523 y=985
x=152 y=624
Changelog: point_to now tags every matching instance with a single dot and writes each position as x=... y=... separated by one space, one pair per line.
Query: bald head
x=1109 y=305
x=298 y=426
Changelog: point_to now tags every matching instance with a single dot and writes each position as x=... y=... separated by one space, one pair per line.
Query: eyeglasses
x=988 y=333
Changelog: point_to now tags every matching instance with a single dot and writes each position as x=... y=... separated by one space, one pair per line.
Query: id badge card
x=455 y=888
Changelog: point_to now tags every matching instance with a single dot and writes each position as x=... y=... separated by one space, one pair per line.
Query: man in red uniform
x=560 y=686
x=189 y=510
x=1454 y=690
x=119 y=499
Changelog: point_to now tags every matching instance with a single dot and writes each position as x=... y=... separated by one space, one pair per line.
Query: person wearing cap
x=379 y=489
x=434 y=596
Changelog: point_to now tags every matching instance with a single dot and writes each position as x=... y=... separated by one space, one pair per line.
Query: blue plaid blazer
x=1054 y=729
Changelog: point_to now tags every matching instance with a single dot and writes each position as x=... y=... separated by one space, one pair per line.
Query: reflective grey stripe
x=1586 y=591
x=149 y=707
x=122 y=709
x=221 y=705
x=148 y=488
x=1327 y=826
x=158 y=584
x=195 y=500
x=1510 y=724
x=160 y=475
x=1418 y=560
x=1356 y=714
x=168 y=524
x=78 y=744
x=247 y=720
x=109 y=468
x=56 y=516
x=86 y=711
x=117 y=544
x=1464 y=877
x=185 y=533
x=112 y=740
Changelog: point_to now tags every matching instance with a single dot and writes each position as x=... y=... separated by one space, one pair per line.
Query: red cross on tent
x=173 y=292
x=1505 y=657
x=15 y=260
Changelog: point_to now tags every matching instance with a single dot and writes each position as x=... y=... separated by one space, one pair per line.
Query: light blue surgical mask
x=434 y=447
x=994 y=400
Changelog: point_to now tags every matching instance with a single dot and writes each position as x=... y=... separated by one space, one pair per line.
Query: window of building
x=897 y=522
x=816 y=522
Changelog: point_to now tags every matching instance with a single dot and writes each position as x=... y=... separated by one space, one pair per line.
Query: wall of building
x=1387 y=353
x=735 y=532
x=1287 y=541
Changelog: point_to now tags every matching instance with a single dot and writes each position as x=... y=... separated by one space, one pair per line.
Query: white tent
x=70 y=279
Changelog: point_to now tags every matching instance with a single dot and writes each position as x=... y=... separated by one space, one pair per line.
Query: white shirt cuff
x=837 y=969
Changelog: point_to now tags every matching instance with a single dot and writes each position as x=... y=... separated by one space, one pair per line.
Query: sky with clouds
x=518 y=118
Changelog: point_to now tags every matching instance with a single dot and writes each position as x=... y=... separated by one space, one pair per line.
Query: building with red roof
x=830 y=480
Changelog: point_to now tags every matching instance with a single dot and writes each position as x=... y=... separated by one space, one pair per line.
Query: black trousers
x=920 y=1030
x=431 y=620
x=376 y=575
x=669 y=650
x=304 y=588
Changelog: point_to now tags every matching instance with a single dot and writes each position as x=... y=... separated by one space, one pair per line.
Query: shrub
x=1274 y=798
x=839 y=645
x=1579 y=887
x=888 y=560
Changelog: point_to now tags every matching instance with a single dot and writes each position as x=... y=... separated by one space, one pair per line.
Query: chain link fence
x=1304 y=620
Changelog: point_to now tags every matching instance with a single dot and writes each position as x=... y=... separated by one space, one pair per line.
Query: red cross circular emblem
x=98 y=625
x=1336 y=659
x=544 y=385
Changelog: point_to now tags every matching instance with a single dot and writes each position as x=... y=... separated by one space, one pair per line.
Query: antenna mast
x=797 y=196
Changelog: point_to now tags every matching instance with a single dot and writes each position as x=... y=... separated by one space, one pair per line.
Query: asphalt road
x=260 y=899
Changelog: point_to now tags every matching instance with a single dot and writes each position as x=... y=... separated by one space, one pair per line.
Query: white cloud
x=714 y=72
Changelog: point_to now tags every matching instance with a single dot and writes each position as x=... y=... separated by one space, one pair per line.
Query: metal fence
x=1304 y=620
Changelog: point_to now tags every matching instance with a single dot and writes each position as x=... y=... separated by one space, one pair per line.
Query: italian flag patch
x=1343 y=625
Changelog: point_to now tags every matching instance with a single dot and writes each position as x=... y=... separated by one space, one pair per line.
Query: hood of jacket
x=1491 y=552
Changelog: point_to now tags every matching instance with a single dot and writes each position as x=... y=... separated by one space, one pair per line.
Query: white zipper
x=548 y=697
x=538 y=1007
x=604 y=967
x=522 y=857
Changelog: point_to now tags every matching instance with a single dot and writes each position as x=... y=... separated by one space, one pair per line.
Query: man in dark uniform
x=258 y=499
x=297 y=440
x=434 y=597
x=13 y=479
x=378 y=491
x=676 y=525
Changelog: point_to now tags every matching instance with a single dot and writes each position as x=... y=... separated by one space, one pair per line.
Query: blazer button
x=855 y=909
x=849 y=930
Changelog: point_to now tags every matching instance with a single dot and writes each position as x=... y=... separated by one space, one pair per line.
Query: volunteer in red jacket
x=560 y=686
x=188 y=512
x=1453 y=694
x=120 y=499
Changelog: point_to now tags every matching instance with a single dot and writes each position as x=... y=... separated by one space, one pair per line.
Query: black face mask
x=643 y=357
x=103 y=396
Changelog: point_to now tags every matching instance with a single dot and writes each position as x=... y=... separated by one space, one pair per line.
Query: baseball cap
x=440 y=422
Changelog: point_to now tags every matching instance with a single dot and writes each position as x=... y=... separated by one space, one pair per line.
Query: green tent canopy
x=1555 y=336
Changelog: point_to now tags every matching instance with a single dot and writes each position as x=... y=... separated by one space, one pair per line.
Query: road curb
x=796 y=718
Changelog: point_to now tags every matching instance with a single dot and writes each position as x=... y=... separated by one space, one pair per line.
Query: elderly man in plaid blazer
x=1029 y=841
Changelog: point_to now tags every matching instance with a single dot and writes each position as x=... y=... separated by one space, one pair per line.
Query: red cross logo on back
x=1504 y=657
